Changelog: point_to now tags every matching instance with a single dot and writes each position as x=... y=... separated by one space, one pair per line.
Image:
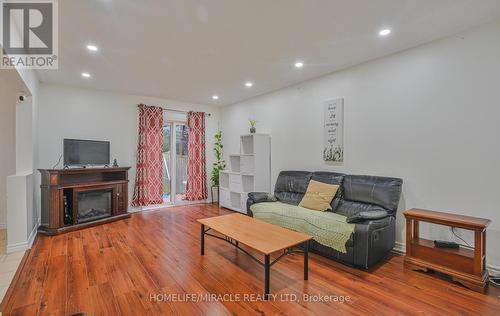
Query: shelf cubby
x=235 y=163
x=224 y=180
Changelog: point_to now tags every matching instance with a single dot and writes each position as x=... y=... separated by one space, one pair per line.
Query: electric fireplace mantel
x=62 y=189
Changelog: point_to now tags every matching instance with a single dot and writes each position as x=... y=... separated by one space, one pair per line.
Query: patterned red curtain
x=149 y=172
x=196 y=187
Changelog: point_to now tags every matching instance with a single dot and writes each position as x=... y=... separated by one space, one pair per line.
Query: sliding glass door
x=181 y=141
x=167 y=163
x=175 y=155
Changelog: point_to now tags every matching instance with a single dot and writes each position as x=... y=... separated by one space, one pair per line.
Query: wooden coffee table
x=256 y=234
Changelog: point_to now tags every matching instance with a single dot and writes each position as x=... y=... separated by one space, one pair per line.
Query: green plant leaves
x=219 y=163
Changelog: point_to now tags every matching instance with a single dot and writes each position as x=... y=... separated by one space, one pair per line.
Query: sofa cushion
x=381 y=191
x=291 y=186
x=331 y=178
x=319 y=195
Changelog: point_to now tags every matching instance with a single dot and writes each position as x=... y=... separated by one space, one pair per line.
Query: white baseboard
x=21 y=246
x=134 y=210
x=167 y=205
x=401 y=249
x=493 y=270
x=25 y=245
x=33 y=233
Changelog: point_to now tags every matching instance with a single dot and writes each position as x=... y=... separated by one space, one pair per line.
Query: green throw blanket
x=327 y=228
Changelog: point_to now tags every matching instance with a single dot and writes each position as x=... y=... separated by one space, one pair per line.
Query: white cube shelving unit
x=249 y=171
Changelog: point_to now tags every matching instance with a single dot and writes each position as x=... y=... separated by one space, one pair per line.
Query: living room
x=338 y=157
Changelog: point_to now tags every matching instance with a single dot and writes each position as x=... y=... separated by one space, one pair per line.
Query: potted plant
x=252 y=126
x=219 y=163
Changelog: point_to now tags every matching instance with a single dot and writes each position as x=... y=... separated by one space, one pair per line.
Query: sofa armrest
x=250 y=202
x=373 y=224
x=367 y=216
x=258 y=197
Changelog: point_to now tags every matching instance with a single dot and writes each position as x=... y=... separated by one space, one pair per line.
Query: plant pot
x=252 y=130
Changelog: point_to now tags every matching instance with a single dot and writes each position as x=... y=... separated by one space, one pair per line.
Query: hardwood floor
x=118 y=268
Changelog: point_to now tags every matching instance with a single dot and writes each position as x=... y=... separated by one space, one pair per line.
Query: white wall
x=26 y=163
x=429 y=115
x=66 y=112
x=27 y=150
x=22 y=215
x=8 y=90
x=24 y=135
x=20 y=228
x=18 y=120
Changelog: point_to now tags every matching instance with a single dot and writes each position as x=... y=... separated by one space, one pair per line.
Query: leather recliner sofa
x=370 y=202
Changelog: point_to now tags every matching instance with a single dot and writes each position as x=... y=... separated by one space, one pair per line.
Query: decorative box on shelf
x=249 y=171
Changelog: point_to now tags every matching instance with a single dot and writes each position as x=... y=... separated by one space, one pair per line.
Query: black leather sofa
x=370 y=202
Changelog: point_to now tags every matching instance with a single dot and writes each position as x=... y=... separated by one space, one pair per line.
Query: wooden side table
x=467 y=266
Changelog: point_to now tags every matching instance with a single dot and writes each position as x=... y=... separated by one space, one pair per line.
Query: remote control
x=445 y=244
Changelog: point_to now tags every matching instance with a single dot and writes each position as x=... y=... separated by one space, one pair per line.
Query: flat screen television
x=79 y=152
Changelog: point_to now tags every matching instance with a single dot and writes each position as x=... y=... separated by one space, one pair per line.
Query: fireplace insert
x=93 y=205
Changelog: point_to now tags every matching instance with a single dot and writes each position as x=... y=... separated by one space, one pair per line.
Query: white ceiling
x=188 y=50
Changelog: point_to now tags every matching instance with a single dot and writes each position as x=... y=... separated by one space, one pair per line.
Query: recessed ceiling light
x=384 y=32
x=299 y=64
x=248 y=84
x=85 y=75
x=215 y=97
x=92 y=48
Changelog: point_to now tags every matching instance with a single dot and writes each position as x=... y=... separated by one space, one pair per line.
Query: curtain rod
x=179 y=111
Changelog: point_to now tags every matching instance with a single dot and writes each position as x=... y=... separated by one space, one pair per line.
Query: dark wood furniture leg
x=408 y=236
x=267 y=267
x=202 y=239
x=478 y=252
x=306 y=260
x=416 y=226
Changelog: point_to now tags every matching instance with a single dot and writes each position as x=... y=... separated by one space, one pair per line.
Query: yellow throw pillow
x=319 y=195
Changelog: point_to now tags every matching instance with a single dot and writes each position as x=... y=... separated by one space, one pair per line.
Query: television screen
x=79 y=152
